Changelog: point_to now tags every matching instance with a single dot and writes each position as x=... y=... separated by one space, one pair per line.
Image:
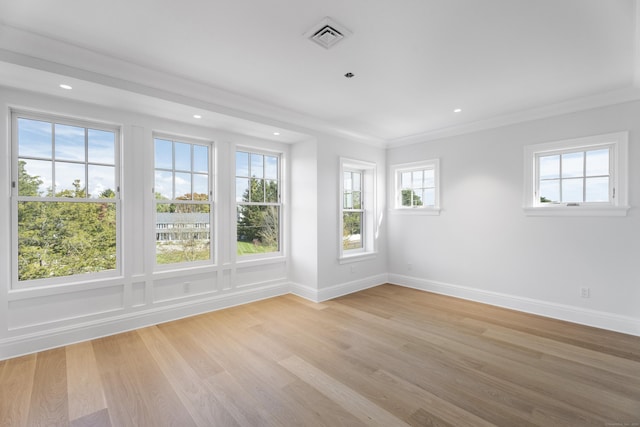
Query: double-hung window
x=258 y=202
x=357 y=209
x=66 y=199
x=417 y=187
x=584 y=176
x=183 y=201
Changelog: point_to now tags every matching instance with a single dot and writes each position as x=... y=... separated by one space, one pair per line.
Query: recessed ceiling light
x=457 y=110
x=349 y=75
x=276 y=133
x=65 y=86
x=197 y=116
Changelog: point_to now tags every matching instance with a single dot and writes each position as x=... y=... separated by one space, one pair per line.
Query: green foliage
x=351 y=230
x=545 y=200
x=63 y=238
x=410 y=198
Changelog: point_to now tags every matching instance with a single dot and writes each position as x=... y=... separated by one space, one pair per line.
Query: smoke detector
x=327 y=33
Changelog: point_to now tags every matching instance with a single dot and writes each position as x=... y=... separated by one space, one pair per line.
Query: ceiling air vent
x=327 y=33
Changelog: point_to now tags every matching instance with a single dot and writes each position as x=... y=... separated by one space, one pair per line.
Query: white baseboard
x=324 y=294
x=57 y=337
x=598 y=319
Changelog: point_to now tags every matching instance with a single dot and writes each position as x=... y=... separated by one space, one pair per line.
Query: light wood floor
x=388 y=356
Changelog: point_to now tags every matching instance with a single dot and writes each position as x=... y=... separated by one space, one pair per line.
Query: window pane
x=597 y=189
x=258 y=229
x=429 y=178
x=257 y=190
x=549 y=167
x=34 y=177
x=242 y=164
x=271 y=167
x=597 y=162
x=428 y=197
x=416 y=179
x=164 y=185
x=357 y=181
x=69 y=180
x=200 y=158
x=200 y=187
x=405 y=180
x=348 y=181
x=101 y=146
x=257 y=165
x=352 y=230
x=572 y=165
x=102 y=181
x=183 y=233
x=164 y=154
x=348 y=200
x=69 y=143
x=182 y=156
x=271 y=191
x=357 y=200
x=183 y=186
x=550 y=191
x=572 y=190
x=63 y=238
x=242 y=189
x=34 y=138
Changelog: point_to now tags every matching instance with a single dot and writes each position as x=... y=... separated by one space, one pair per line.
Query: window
x=183 y=201
x=66 y=198
x=357 y=209
x=584 y=176
x=258 y=202
x=417 y=187
x=353 y=213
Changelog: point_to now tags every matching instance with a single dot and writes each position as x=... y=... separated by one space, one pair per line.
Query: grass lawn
x=247 y=248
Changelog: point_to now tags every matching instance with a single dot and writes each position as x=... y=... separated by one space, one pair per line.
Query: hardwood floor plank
x=203 y=405
x=84 y=386
x=384 y=356
x=16 y=383
x=49 y=400
x=349 y=399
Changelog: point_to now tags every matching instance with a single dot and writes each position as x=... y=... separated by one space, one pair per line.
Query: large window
x=417 y=186
x=583 y=176
x=66 y=198
x=258 y=201
x=357 y=209
x=183 y=201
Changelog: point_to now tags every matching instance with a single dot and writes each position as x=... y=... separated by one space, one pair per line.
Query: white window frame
x=281 y=214
x=15 y=198
x=369 y=191
x=396 y=174
x=617 y=143
x=211 y=202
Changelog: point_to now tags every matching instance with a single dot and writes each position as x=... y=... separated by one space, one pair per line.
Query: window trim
x=212 y=261
x=266 y=256
x=398 y=169
x=369 y=196
x=618 y=159
x=74 y=279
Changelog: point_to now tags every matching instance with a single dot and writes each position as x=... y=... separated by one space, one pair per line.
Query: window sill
x=563 y=210
x=415 y=211
x=362 y=256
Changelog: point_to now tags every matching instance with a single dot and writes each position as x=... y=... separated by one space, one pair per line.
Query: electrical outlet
x=353 y=269
x=409 y=266
x=585 y=292
x=186 y=287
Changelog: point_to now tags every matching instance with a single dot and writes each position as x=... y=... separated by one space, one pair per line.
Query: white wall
x=335 y=278
x=38 y=318
x=483 y=247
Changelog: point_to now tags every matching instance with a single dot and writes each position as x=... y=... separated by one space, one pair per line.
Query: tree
x=259 y=224
x=410 y=198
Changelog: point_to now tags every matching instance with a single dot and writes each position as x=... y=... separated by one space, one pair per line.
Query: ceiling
x=247 y=66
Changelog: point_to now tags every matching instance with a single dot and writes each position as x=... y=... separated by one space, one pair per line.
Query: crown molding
x=619 y=96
